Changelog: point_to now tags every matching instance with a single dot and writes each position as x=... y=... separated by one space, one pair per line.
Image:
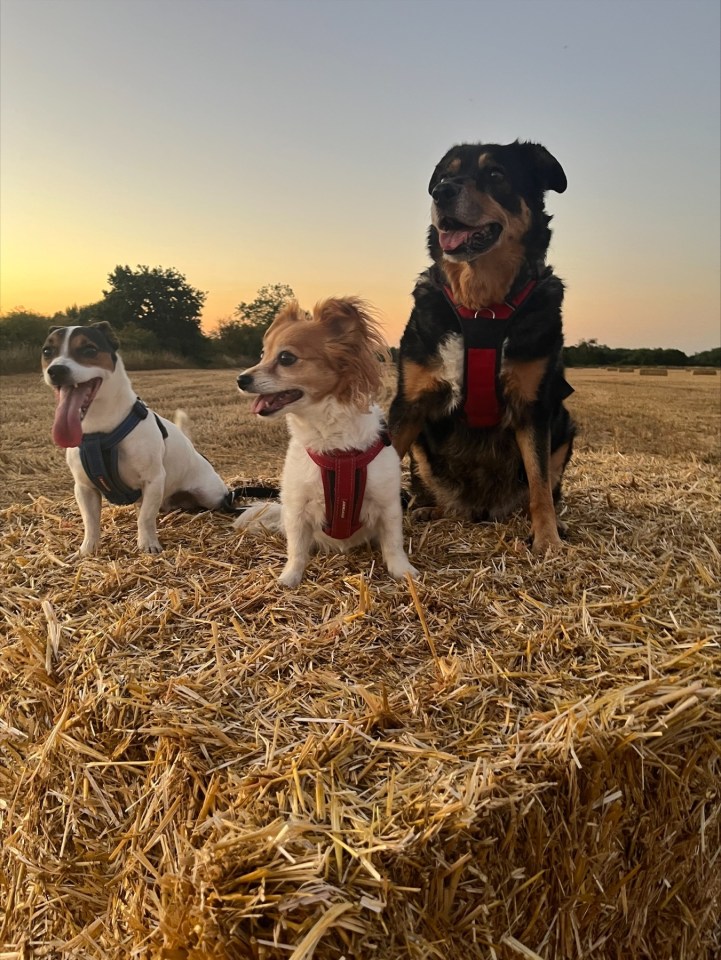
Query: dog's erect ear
x=104 y=327
x=341 y=315
x=54 y=328
x=550 y=171
x=290 y=312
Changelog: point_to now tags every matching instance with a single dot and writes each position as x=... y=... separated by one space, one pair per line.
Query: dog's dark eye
x=286 y=358
x=89 y=352
x=48 y=352
x=496 y=174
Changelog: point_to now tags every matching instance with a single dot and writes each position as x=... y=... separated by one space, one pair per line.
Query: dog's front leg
x=390 y=535
x=299 y=533
x=148 y=515
x=90 y=501
x=534 y=441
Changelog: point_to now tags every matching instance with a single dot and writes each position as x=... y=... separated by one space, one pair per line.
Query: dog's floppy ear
x=54 y=328
x=104 y=327
x=549 y=170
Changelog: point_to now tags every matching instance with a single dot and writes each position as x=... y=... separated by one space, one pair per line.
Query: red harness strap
x=344 y=482
x=484 y=331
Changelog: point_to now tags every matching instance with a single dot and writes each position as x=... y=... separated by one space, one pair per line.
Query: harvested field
x=514 y=758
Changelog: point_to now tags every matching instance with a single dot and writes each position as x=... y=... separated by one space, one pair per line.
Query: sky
x=246 y=143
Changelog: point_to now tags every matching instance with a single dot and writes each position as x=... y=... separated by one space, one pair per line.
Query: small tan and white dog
x=115 y=446
x=341 y=482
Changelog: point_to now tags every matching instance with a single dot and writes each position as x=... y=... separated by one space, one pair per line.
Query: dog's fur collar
x=344 y=475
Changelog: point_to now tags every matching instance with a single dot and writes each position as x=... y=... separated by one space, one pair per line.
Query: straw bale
x=704 y=372
x=511 y=758
x=653 y=372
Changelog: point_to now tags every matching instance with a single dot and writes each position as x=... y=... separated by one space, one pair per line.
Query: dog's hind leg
x=90 y=501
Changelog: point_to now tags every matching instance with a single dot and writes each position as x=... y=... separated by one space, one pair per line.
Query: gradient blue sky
x=291 y=141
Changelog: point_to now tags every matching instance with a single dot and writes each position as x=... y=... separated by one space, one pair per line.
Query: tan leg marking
x=542 y=509
x=418 y=379
x=521 y=379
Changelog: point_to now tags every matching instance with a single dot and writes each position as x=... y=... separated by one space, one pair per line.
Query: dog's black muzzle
x=59 y=375
x=445 y=192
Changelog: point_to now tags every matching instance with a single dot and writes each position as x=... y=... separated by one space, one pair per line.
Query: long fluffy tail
x=260 y=516
x=182 y=422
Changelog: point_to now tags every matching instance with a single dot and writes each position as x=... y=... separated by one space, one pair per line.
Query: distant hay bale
x=703 y=372
x=612 y=369
x=653 y=372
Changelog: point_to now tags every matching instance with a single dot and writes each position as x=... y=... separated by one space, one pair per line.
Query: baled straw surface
x=512 y=758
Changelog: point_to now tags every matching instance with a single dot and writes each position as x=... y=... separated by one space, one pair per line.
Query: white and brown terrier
x=115 y=446
x=341 y=481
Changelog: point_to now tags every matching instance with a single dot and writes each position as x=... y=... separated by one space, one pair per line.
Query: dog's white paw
x=88 y=548
x=399 y=569
x=291 y=577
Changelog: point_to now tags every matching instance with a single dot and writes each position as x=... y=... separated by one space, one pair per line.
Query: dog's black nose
x=244 y=381
x=445 y=191
x=59 y=374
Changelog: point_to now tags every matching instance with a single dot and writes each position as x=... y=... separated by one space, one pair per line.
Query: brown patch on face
x=53 y=345
x=489 y=277
x=88 y=350
x=454 y=166
x=521 y=380
x=484 y=159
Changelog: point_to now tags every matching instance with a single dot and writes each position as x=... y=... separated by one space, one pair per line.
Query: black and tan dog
x=481 y=386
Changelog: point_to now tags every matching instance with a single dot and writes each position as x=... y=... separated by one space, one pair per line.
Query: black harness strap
x=99 y=456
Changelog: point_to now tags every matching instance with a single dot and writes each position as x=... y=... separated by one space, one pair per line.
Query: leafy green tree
x=242 y=335
x=159 y=301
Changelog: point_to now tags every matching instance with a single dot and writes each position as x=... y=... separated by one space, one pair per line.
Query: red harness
x=344 y=475
x=481 y=345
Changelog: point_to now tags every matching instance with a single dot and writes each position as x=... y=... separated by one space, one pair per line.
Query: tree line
x=157 y=312
x=591 y=353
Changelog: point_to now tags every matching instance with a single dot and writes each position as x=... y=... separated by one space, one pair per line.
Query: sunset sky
x=291 y=141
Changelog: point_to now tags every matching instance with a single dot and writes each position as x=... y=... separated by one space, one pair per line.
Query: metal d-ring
x=492 y=314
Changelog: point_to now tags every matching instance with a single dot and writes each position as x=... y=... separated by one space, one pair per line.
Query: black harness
x=99 y=456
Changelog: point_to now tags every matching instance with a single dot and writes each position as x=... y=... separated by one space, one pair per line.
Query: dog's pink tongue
x=450 y=239
x=67 y=426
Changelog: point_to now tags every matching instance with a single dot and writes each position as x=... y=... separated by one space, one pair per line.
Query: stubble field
x=515 y=757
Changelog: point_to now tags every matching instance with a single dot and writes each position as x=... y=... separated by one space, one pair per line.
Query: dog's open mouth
x=267 y=403
x=457 y=238
x=72 y=402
